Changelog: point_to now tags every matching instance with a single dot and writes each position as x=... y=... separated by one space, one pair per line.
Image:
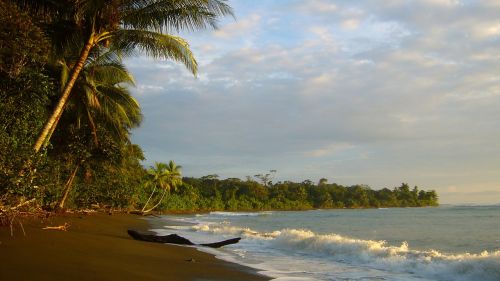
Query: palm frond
x=64 y=76
x=156 y=45
x=165 y=176
x=118 y=106
x=169 y=16
x=100 y=100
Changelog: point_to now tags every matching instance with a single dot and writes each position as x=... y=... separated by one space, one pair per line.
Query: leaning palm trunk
x=159 y=202
x=67 y=187
x=51 y=131
x=56 y=114
x=150 y=196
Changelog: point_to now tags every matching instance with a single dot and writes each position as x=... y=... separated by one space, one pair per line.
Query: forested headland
x=66 y=114
x=209 y=193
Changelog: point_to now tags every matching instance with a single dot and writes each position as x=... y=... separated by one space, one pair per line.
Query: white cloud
x=451 y=188
x=350 y=24
x=322 y=79
x=329 y=149
x=443 y=3
x=317 y=6
x=242 y=27
x=322 y=33
x=406 y=118
x=485 y=30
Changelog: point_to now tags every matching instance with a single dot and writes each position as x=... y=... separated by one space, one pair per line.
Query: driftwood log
x=176 y=239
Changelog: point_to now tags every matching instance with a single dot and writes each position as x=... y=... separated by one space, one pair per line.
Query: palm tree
x=125 y=25
x=103 y=100
x=103 y=96
x=162 y=176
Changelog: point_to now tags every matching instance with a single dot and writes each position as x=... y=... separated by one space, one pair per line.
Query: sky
x=358 y=92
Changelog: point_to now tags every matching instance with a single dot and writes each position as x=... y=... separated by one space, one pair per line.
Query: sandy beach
x=97 y=247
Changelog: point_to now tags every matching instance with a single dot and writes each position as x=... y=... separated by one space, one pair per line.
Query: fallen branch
x=63 y=227
x=23 y=203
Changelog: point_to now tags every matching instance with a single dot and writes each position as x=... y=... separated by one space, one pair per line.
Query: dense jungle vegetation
x=66 y=113
x=209 y=193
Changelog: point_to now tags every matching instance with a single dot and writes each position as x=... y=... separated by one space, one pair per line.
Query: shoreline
x=97 y=247
x=194 y=212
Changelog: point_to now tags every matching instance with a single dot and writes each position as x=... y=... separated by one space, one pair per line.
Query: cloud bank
x=354 y=91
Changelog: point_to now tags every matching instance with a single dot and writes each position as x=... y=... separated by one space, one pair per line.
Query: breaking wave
x=377 y=254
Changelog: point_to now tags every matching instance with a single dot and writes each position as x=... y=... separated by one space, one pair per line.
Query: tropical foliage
x=66 y=110
x=163 y=178
x=124 y=27
x=209 y=193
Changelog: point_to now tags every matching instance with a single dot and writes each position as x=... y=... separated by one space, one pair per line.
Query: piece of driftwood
x=176 y=239
x=63 y=227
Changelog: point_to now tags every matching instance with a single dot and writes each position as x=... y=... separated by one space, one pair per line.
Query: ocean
x=443 y=243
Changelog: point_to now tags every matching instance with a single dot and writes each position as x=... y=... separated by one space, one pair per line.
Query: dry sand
x=97 y=247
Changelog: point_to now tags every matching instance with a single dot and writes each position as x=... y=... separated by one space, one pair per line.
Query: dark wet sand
x=97 y=247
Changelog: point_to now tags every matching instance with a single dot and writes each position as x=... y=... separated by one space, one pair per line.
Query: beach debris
x=176 y=239
x=141 y=213
x=191 y=260
x=63 y=227
x=18 y=206
x=9 y=215
x=87 y=211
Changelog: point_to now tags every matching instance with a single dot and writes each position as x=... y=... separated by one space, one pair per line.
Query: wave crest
x=466 y=266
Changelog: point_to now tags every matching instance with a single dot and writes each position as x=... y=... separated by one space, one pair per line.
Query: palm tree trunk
x=51 y=131
x=56 y=114
x=159 y=202
x=67 y=187
x=150 y=196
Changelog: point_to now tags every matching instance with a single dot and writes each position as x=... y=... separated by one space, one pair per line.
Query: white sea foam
x=375 y=254
x=178 y=227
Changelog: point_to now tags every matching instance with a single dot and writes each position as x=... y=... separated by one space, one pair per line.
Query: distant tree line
x=233 y=194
